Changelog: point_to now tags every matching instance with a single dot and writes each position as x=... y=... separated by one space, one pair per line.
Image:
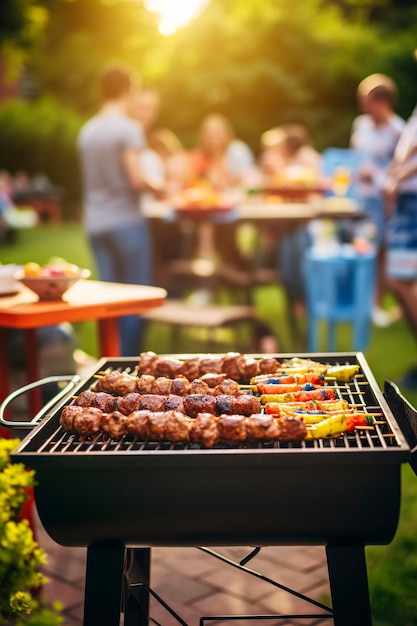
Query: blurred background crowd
x=259 y=66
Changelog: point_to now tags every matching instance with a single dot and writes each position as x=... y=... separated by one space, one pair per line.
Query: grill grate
x=362 y=393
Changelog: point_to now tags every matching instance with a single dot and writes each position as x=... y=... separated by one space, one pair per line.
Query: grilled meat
x=128 y=403
x=246 y=405
x=213 y=380
x=227 y=386
x=174 y=402
x=174 y=426
x=100 y=400
x=234 y=364
x=117 y=382
x=177 y=426
x=199 y=403
x=138 y=425
x=181 y=386
x=83 y=421
x=232 y=428
x=205 y=430
x=114 y=424
x=190 y=368
x=150 y=402
x=199 y=386
x=191 y=405
x=261 y=428
x=145 y=383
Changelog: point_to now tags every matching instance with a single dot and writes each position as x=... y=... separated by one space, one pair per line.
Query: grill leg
x=103 y=585
x=137 y=596
x=349 y=585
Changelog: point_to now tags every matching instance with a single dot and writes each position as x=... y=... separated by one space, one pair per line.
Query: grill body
x=335 y=492
x=229 y=499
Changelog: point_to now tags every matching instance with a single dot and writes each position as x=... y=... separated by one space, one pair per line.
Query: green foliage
x=261 y=65
x=20 y=555
x=84 y=34
x=40 y=137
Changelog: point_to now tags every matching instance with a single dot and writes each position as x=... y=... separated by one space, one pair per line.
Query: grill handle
x=406 y=416
x=72 y=379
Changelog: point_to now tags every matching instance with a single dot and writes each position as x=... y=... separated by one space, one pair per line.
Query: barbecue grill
x=343 y=493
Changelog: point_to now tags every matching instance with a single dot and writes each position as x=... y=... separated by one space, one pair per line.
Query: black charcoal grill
x=343 y=493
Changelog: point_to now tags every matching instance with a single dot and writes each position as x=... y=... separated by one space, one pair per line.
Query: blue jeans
x=290 y=257
x=124 y=256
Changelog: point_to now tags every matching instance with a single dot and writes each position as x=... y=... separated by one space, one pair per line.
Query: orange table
x=86 y=300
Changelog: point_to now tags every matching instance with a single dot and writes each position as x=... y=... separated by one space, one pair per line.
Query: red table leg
x=108 y=334
x=4 y=378
x=32 y=368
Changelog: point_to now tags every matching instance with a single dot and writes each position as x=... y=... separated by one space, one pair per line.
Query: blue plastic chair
x=332 y=158
x=339 y=288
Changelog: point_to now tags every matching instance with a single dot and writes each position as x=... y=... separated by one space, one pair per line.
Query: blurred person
x=109 y=145
x=220 y=158
x=287 y=154
x=144 y=107
x=374 y=135
x=166 y=159
x=218 y=165
x=288 y=157
x=400 y=192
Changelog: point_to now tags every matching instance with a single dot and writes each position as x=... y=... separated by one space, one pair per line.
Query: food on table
x=54 y=268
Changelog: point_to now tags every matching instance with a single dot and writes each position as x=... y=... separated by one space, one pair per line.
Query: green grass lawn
x=392 y=569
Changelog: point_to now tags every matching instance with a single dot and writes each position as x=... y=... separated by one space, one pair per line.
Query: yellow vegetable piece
x=331 y=427
x=343 y=373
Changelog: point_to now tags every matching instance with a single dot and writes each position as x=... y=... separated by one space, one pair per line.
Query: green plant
x=20 y=555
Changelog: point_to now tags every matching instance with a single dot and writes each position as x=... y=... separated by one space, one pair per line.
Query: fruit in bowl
x=50 y=281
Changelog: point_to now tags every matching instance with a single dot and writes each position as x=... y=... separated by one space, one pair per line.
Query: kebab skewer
x=191 y=404
x=309 y=371
x=324 y=419
x=174 y=426
x=120 y=383
x=234 y=364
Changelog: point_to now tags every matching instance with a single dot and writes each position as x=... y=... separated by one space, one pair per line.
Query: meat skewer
x=120 y=383
x=174 y=426
x=191 y=404
x=235 y=365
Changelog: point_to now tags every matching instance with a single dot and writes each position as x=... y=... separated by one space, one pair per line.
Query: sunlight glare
x=174 y=14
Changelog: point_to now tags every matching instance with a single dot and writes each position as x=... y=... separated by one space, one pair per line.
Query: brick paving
x=195 y=584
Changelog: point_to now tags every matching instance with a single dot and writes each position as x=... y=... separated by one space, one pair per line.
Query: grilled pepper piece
x=343 y=373
x=356 y=420
x=300 y=396
x=331 y=427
